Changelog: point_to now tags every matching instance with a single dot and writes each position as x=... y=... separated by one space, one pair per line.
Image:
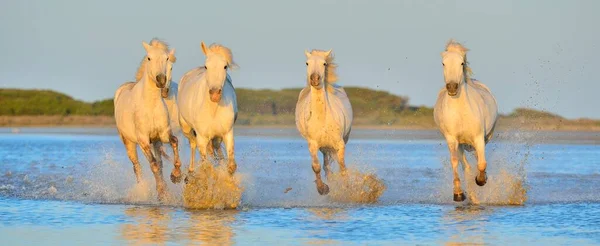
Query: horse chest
x=327 y=135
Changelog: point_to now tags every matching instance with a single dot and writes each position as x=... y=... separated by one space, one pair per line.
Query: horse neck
x=149 y=90
x=318 y=102
x=465 y=90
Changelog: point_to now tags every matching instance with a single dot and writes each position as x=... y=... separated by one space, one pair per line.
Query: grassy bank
x=373 y=109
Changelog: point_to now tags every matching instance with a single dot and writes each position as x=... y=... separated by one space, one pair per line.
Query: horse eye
x=307 y=64
x=167 y=58
x=225 y=67
x=148 y=58
x=462 y=64
x=443 y=64
x=205 y=67
x=324 y=64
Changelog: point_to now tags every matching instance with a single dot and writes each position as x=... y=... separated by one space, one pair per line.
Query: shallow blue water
x=69 y=187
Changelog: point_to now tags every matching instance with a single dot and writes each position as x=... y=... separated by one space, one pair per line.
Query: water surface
x=70 y=186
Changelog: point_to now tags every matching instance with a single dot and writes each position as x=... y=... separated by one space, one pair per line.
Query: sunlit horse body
x=323 y=115
x=169 y=92
x=142 y=117
x=207 y=106
x=466 y=113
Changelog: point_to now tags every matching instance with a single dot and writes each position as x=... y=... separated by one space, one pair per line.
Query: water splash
x=212 y=187
x=354 y=186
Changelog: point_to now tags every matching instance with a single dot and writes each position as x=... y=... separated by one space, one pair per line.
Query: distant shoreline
x=408 y=123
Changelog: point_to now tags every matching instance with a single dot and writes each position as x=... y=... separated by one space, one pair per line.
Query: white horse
x=142 y=117
x=323 y=114
x=169 y=92
x=207 y=106
x=466 y=113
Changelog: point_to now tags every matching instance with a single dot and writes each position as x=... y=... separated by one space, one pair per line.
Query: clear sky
x=536 y=53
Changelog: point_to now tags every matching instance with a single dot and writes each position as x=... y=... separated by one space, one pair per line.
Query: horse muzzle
x=315 y=80
x=215 y=94
x=452 y=88
x=161 y=81
x=164 y=92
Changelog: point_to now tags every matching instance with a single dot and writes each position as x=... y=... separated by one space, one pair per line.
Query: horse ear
x=328 y=53
x=172 y=55
x=146 y=46
x=306 y=53
x=203 y=46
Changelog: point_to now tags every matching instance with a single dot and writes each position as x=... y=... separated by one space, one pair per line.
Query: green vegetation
x=17 y=102
x=260 y=107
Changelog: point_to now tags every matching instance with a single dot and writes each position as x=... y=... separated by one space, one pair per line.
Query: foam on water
x=212 y=187
x=354 y=186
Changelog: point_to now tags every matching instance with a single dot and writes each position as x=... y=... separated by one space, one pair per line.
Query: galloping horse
x=208 y=106
x=323 y=114
x=169 y=92
x=466 y=113
x=142 y=118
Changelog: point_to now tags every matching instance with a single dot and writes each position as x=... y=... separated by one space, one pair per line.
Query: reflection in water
x=197 y=227
x=211 y=227
x=332 y=213
x=466 y=225
x=150 y=226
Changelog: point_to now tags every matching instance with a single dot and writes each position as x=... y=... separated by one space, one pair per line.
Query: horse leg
x=467 y=168
x=326 y=162
x=341 y=153
x=145 y=146
x=322 y=188
x=189 y=133
x=157 y=171
x=229 y=144
x=481 y=179
x=132 y=153
x=176 y=173
x=218 y=151
x=459 y=196
x=202 y=146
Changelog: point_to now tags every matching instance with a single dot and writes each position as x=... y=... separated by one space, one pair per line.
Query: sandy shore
x=410 y=123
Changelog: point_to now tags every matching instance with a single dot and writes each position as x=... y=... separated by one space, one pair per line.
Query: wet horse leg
x=131 y=148
x=467 y=168
x=322 y=188
x=154 y=165
x=459 y=196
x=229 y=144
x=217 y=150
x=341 y=156
x=326 y=162
x=481 y=179
x=176 y=173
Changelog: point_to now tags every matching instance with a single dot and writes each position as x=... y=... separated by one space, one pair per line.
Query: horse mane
x=157 y=43
x=330 y=70
x=224 y=52
x=456 y=47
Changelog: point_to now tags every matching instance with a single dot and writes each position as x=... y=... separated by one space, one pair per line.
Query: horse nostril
x=315 y=77
x=452 y=87
x=161 y=78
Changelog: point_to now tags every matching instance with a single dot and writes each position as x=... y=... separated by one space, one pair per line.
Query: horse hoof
x=459 y=197
x=481 y=182
x=176 y=176
x=176 y=179
x=323 y=190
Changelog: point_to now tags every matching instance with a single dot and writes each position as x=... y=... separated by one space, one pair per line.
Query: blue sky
x=535 y=53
